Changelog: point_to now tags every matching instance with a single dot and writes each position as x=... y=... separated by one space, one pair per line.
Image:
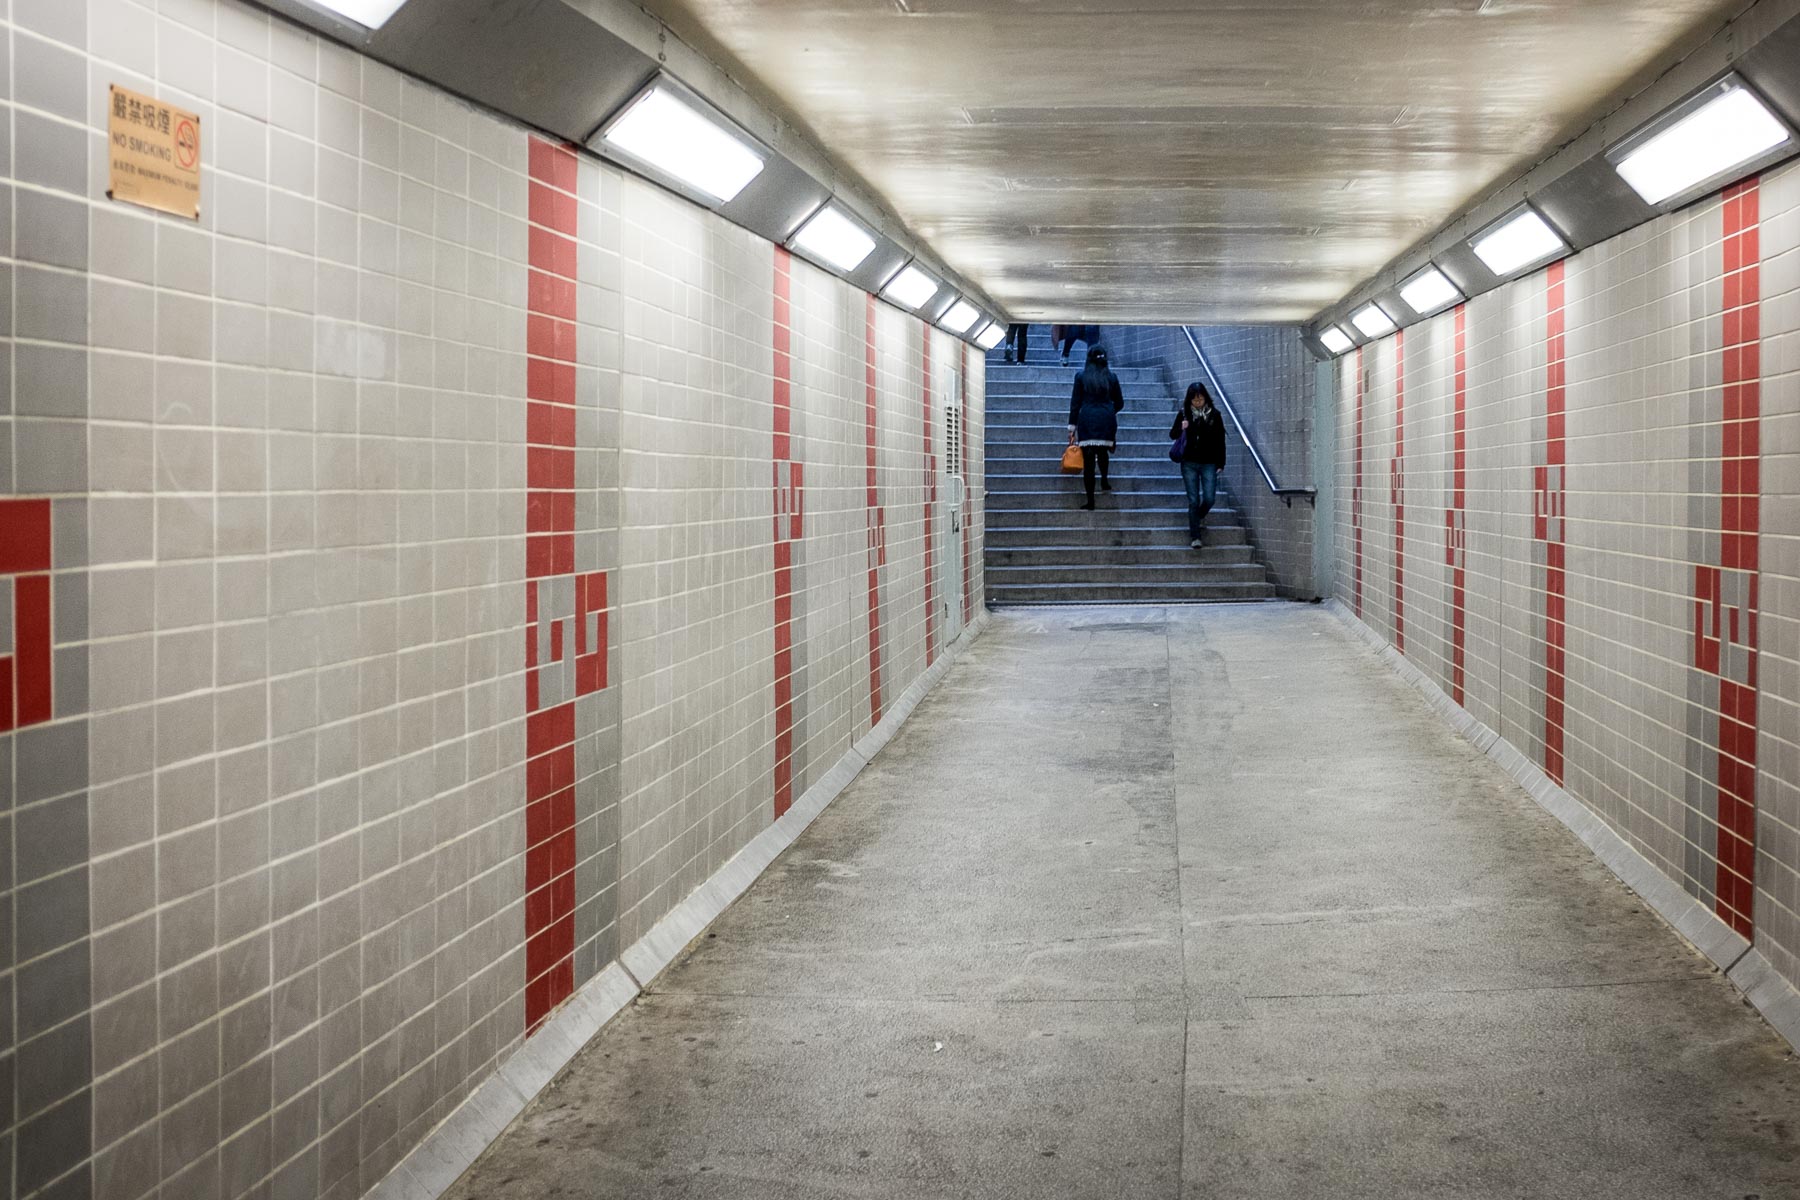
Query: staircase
x=1133 y=549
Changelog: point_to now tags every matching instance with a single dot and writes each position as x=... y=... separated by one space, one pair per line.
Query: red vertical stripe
x=1551 y=516
x=26 y=674
x=31 y=647
x=1356 y=494
x=787 y=521
x=550 y=552
x=877 y=522
x=1397 y=484
x=1736 y=606
x=1457 y=519
x=24 y=536
x=930 y=507
x=968 y=582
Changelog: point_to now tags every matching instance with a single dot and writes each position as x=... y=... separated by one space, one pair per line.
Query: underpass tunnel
x=899 y=598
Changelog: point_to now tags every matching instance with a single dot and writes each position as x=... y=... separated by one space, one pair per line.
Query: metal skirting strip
x=1765 y=989
x=452 y=1148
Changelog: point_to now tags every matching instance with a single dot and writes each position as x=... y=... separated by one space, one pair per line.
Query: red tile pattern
x=968 y=578
x=1456 y=533
x=1548 y=517
x=25 y=674
x=1725 y=597
x=1356 y=493
x=877 y=519
x=789 y=513
x=550 y=556
x=1397 y=490
x=931 y=497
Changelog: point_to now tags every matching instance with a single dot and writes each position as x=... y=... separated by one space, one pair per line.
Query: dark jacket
x=1206 y=436
x=1094 y=406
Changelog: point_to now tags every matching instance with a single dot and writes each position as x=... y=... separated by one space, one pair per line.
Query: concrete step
x=1197 y=573
x=1055 y=483
x=1001 y=393
x=1125 y=593
x=1116 y=502
x=1020 y=409
x=1127 y=462
x=1038 y=451
x=1168 y=516
x=1042 y=370
x=1150 y=537
x=1051 y=425
x=1144 y=428
x=1144 y=464
x=1124 y=463
x=1176 y=555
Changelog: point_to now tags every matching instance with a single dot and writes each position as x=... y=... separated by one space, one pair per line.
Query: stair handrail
x=1286 y=494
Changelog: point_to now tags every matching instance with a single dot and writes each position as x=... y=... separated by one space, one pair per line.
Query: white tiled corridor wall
x=263 y=868
x=1644 y=353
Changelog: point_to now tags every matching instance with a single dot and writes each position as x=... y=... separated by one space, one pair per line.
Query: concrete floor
x=1153 y=903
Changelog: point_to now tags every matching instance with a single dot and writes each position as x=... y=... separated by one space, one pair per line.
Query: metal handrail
x=1287 y=494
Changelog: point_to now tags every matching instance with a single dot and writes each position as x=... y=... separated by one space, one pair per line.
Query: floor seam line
x=1181 y=929
x=665 y=994
x=1489 y=991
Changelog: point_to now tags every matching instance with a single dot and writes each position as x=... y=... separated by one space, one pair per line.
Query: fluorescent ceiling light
x=1521 y=240
x=1335 y=340
x=834 y=238
x=1429 y=291
x=1372 y=321
x=911 y=287
x=1707 y=143
x=992 y=336
x=677 y=138
x=372 y=14
x=958 y=318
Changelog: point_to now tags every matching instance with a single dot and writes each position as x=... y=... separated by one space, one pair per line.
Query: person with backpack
x=1199 y=436
x=1094 y=409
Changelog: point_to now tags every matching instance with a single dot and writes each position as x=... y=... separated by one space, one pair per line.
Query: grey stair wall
x=1042 y=549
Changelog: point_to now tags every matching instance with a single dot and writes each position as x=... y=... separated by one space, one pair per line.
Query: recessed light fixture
x=1372 y=321
x=674 y=135
x=961 y=314
x=1429 y=291
x=833 y=238
x=910 y=288
x=1335 y=340
x=371 y=14
x=992 y=336
x=1517 y=241
x=1702 y=142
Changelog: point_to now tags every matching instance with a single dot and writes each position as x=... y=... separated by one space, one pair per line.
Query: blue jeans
x=1202 y=481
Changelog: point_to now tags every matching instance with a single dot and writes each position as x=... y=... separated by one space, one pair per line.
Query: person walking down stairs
x=1199 y=434
x=1042 y=549
x=1094 y=408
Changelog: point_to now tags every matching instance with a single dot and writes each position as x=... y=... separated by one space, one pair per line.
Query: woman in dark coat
x=1203 y=458
x=1094 y=419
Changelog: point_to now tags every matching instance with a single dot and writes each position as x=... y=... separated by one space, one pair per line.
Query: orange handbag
x=1071 y=459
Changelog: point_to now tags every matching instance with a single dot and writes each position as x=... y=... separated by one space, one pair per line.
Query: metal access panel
x=953 y=495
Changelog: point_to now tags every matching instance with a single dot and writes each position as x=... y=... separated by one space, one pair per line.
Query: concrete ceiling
x=1207 y=161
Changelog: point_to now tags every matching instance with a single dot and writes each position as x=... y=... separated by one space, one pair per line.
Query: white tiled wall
x=1644 y=368
x=262 y=873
